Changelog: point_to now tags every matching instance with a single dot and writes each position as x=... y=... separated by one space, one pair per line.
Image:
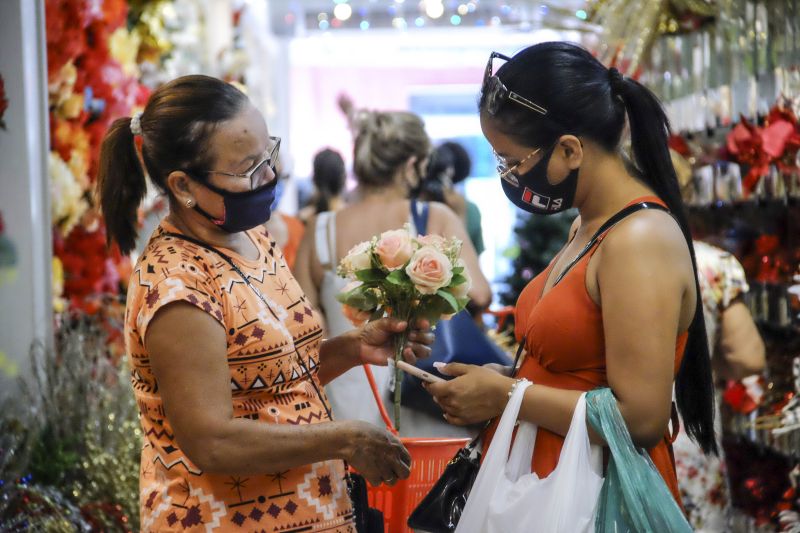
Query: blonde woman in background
x=390 y=157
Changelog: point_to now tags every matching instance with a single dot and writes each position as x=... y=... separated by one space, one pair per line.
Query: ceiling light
x=342 y=11
x=434 y=8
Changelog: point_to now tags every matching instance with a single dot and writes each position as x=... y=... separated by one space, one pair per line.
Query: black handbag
x=458 y=340
x=441 y=508
x=366 y=518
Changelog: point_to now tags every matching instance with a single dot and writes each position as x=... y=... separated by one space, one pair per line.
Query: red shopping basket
x=429 y=459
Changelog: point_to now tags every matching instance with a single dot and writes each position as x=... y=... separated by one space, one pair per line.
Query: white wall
x=25 y=300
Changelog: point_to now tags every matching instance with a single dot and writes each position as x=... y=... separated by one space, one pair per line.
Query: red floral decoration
x=78 y=34
x=776 y=144
x=65 y=23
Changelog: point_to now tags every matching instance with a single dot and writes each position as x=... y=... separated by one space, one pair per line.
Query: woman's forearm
x=244 y=447
x=338 y=355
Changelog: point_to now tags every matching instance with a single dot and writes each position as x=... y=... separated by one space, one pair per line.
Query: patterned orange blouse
x=268 y=349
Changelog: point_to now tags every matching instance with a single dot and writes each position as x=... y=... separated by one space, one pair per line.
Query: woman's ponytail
x=649 y=132
x=121 y=185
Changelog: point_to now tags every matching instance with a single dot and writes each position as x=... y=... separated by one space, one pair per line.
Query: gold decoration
x=631 y=27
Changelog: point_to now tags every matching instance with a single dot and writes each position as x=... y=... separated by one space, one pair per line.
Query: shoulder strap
x=419 y=216
x=323 y=244
x=607 y=225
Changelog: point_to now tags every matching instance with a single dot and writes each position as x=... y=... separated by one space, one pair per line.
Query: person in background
x=228 y=359
x=329 y=180
x=390 y=155
x=450 y=164
x=737 y=353
x=286 y=230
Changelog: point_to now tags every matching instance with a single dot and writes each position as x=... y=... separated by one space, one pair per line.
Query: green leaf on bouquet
x=362 y=298
x=458 y=279
x=432 y=308
x=398 y=277
x=458 y=270
x=450 y=299
x=371 y=275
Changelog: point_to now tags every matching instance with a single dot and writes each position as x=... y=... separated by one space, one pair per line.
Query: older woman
x=228 y=357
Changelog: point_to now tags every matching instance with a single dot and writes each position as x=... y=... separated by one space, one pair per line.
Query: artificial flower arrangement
x=407 y=277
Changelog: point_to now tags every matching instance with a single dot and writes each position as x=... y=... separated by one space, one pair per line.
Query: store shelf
x=789 y=332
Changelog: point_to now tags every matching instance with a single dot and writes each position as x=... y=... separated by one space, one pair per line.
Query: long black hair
x=585 y=99
x=175 y=126
x=329 y=178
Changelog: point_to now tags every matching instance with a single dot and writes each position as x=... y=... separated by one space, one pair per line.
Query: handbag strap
x=607 y=225
x=325 y=239
x=228 y=259
x=420 y=212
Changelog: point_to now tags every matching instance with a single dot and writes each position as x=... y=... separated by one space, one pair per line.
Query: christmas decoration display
x=69 y=447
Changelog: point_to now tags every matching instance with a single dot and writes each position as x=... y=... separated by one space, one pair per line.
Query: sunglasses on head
x=496 y=93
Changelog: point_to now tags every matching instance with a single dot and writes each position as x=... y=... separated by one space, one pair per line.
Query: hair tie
x=616 y=80
x=136 y=124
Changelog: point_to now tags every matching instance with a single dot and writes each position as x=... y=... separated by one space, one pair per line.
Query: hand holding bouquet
x=406 y=277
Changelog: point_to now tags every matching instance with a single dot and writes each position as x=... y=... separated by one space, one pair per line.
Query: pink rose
x=355 y=316
x=437 y=241
x=394 y=248
x=429 y=270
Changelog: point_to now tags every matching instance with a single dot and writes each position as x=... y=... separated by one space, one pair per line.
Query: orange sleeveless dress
x=566 y=349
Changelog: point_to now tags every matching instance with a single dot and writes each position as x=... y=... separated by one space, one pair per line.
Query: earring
x=189 y=203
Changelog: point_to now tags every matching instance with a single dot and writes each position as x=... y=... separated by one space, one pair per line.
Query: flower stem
x=399 y=344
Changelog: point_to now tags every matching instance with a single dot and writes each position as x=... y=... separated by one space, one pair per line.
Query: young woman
x=329 y=178
x=390 y=155
x=627 y=314
x=227 y=356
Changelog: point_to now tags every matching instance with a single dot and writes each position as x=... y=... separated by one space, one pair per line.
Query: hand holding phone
x=414 y=371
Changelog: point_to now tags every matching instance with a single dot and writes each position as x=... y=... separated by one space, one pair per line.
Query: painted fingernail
x=438 y=365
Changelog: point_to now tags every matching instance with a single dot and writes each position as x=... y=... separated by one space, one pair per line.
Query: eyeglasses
x=496 y=93
x=259 y=173
x=506 y=172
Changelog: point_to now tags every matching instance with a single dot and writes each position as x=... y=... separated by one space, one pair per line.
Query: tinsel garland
x=69 y=451
x=630 y=27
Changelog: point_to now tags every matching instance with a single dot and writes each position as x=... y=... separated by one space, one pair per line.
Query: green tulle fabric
x=634 y=497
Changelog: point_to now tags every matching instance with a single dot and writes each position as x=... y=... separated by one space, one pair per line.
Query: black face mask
x=243 y=210
x=534 y=193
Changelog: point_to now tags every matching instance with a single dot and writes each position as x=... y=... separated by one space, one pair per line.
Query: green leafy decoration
x=450 y=299
x=458 y=279
x=372 y=275
x=398 y=277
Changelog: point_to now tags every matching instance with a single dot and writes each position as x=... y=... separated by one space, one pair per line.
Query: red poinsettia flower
x=745 y=143
x=784 y=137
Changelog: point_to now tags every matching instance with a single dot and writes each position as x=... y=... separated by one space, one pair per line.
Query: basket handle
x=381 y=408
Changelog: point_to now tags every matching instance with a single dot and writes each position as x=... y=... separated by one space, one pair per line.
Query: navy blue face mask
x=242 y=210
x=533 y=192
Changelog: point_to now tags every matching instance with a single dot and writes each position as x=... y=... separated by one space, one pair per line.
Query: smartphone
x=414 y=371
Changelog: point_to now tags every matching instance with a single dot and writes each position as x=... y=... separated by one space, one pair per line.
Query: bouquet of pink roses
x=406 y=277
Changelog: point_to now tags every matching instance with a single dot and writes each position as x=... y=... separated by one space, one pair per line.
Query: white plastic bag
x=508 y=498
